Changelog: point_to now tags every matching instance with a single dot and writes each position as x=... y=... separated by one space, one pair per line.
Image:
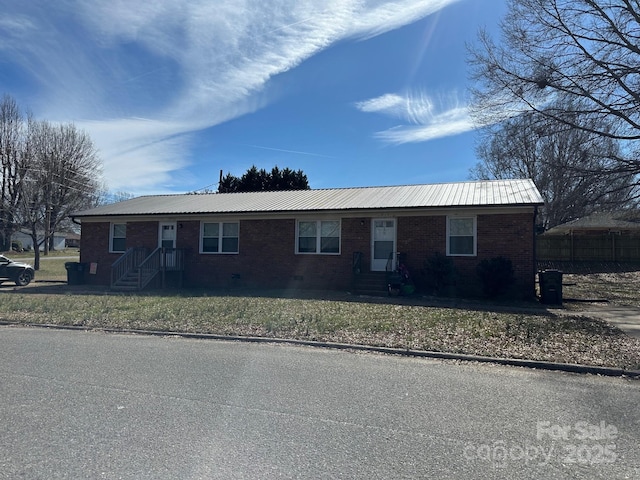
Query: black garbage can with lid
x=550 y=287
x=75 y=272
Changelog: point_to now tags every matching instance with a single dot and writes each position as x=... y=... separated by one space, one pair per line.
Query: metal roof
x=464 y=194
x=624 y=220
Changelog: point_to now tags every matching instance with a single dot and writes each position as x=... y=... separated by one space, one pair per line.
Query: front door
x=167 y=239
x=383 y=244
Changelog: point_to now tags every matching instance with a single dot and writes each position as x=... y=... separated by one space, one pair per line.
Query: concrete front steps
x=370 y=283
x=129 y=283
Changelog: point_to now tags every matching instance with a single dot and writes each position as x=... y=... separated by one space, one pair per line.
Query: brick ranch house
x=311 y=238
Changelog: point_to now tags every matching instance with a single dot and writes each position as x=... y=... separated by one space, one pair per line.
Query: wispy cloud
x=380 y=17
x=424 y=118
x=142 y=153
x=103 y=63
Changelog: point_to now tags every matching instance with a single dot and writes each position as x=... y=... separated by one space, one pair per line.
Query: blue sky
x=352 y=92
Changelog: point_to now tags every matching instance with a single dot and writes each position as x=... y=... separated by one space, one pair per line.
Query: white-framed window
x=118 y=238
x=219 y=237
x=318 y=236
x=462 y=236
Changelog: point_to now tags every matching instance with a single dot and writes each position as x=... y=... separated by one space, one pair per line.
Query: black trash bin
x=550 y=287
x=75 y=272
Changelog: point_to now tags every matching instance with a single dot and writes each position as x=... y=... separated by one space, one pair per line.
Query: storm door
x=167 y=241
x=383 y=240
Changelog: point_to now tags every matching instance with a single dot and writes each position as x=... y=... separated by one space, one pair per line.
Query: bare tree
x=585 y=50
x=46 y=172
x=570 y=167
x=73 y=168
x=12 y=171
x=62 y=177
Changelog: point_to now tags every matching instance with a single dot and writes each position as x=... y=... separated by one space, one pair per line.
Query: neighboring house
x=313 y=238
x=27 y=242
x=624 y=222
x=72 y=240
x=599 y=237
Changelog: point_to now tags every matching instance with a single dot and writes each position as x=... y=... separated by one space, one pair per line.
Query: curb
x=514 y=362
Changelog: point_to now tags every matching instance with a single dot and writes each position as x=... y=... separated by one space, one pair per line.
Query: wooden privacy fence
x=608 y=247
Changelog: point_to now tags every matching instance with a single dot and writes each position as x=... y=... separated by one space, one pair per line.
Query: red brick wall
x=94 y=248
x=267 y=259
x=509 y=236
x=142 y=234
x=420 y=238
x=267 y=251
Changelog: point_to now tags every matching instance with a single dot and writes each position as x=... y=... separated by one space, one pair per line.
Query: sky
x=352 y=92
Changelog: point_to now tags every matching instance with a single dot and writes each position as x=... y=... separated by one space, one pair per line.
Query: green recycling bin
x=75 y=272
x=550 y=287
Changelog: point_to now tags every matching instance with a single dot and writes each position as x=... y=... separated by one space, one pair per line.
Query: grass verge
x=529 y=333
x=618 y=288
x=533 y=336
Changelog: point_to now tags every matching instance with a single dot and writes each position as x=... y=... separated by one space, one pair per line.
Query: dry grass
x=514 y=331
x=618 y=288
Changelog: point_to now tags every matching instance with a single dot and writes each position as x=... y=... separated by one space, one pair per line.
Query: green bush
x=496 y=275
x=440 y=273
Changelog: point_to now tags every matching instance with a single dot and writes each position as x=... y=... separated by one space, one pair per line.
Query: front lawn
x=533 y=335
x=525 y=331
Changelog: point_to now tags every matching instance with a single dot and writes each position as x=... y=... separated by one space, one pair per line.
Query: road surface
x=95 y=405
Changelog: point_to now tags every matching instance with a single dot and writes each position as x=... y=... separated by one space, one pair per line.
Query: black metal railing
x=128 y=262
x=142 y=266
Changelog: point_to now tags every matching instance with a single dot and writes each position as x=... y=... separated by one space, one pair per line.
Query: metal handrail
x=160 y=260
x=149 y=268
x=172 y=259
x=127 y=262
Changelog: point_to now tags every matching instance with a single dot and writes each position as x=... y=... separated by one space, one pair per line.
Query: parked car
x=18 y=272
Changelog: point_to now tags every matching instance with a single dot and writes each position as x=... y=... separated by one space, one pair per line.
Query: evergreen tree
x=254 y=180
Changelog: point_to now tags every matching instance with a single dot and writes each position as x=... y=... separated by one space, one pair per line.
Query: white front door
x=383 y=244
x=167 y=239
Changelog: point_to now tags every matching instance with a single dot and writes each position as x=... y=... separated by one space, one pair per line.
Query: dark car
x=18 y=272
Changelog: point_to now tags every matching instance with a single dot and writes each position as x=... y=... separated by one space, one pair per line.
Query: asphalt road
x=94 y=405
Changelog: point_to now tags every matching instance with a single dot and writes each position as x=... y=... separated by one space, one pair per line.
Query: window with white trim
x=219 y=237
x=461 y=236
x=118 y=238
x=318 y=236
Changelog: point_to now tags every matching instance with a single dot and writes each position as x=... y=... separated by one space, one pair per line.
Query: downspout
x=535 y=249
x=73 y=219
